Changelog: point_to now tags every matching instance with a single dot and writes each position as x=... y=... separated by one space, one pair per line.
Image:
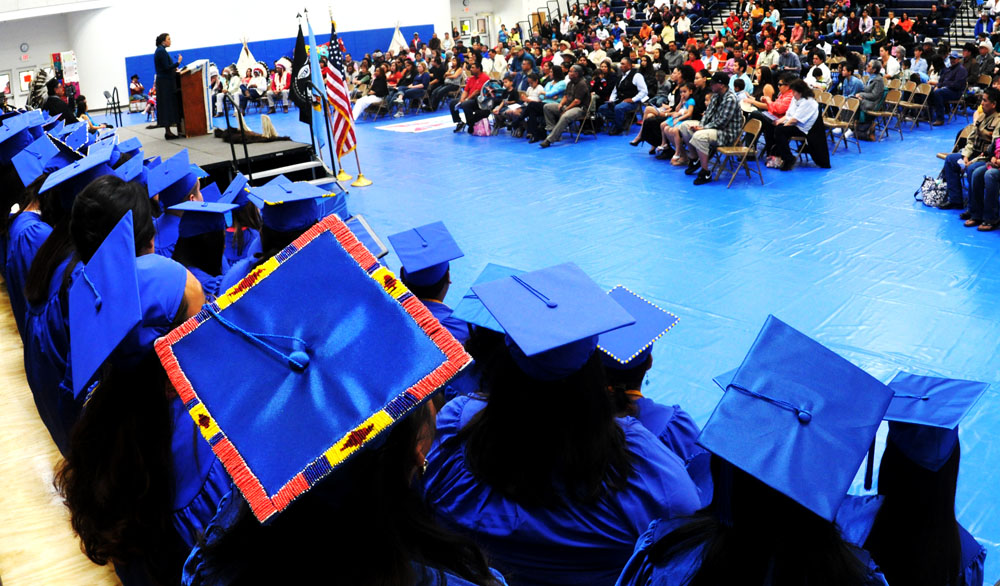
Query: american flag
x=339 y=97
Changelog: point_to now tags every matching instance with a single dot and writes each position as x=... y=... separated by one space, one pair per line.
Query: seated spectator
x=572 y=107
x=819 y=77
x=769 y=110
x=468 y=102
x=56 y=102
x=740 y=73
x=604 y=81
x=135 y=89
x=453 y=79
x=979 y=159
x=377 y=92
x=81 y=114
x=509 y=107
x=721 y=125
x=652 y=131
x=281 y=83
x=740 y=89
x=796 y=122
x=890 y=65
x=626 y=98
x=418 y=87
x=664 y=87
x=788 y=61
x=848 y=85
x=950 y=86
x=230 y=87
x=684 y=112
x=694 y=59
x=702 y=91
x=255 y=89
x=872 y=97
x=534 y=113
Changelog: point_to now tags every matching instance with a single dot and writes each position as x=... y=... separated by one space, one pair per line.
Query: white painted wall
x=103 y=38
x=507 y=12
x=44 y=35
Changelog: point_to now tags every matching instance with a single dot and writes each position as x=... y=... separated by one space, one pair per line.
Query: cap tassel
x=803 y=415
x=724 y=489
x=870 y=467
x=297 y=360
x=97 y=296
x=535 y=292
x=423 y=241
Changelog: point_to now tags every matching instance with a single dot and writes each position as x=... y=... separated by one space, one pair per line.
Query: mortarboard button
x=627 y=347
x=425 y=253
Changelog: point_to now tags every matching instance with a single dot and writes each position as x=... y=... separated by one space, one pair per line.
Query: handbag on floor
x=932 y=192
x=482 y=128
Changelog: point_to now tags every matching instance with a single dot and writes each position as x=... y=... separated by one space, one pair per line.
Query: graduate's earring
x=423 y=469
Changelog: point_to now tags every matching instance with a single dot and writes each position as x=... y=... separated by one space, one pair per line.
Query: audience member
x=950 y=86
x=720 y=125
x=626 y=98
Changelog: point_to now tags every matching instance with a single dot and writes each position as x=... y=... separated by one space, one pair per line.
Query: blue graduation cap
x=41 y=156
x=211 y=193
x=326 y=362
x=797 y=417
x=237 y=192
x=152 y=162
x=14 y=136
x=77 y=176
x=104 y=148
x=55 y=129
x=287 y=206
x=36 y=122
x=69 y=129
x=363 y=231
x=104 y=303
x=78 y=138
x=201 y=217
x=173 y=179
x=52 y=122
x=552 y=317
x=425 y=253
x=132 y=170
x=198 y=171
x=471 y=310
x=131 y=145
x=925 y=413
x=630 y=346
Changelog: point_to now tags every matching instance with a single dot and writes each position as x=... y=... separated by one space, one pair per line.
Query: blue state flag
x=319 y=89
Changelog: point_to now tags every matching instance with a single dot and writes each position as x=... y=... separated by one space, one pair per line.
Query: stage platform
x=215 y=155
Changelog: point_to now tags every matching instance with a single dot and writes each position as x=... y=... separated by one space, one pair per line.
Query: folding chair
x=850 y=111
x=888 y=113
x=726 y=155
x=954 y=105
x=965 y=134
x=921 y=106
x=589 y=116
x=895 y=84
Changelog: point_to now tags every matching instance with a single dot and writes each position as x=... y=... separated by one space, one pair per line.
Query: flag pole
x=361 y=181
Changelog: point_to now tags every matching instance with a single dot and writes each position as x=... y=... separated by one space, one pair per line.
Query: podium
x=196 y=104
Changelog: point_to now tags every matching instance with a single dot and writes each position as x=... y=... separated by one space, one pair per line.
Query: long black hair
x=101 y=205
x=768 y=539
x=245 y=218
x=203 y=251
x=23 y=196
x=377 y=527
x=915 y=539
x=56 y=248
x=575 y=441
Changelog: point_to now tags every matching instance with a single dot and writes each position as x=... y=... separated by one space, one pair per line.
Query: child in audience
x=682 y=114
x=741 y=89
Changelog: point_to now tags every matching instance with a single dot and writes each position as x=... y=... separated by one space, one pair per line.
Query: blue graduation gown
x=973 y=558
x=167 y=231
x=680 y=569
x=575 y=544
x=678 y=431
x=231 y=255
x=209 y=284
x=442 y=312
x=46 y=359
x=26 y=234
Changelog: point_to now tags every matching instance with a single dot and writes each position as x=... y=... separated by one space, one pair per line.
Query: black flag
x=300 y=79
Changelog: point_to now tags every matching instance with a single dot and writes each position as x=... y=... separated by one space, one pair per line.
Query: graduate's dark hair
x=160 y=38
x=101 y=205
x=432 y=291
x=621 y=381
x=567 y=442
x=244 y=218
x=203 y=251
x=768 y=539
x=56 y=248
x=81 y=105
x=915 y=539
x=377 y=527
x=116 y=479
x=14 y=191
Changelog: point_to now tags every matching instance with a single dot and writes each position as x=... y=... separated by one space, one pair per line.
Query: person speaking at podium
x=167 y=106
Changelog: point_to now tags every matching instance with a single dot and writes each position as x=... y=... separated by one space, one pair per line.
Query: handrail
x=227 y=99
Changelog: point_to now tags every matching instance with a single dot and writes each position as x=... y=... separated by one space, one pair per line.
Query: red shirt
x=697 y=64
x=474 y=84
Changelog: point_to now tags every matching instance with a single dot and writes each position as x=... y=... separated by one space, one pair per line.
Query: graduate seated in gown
x=627 y=354
x=539 y=469
x=140 y=484
x=787 y=439
x=201 y=240
x=243 y=236
x=916 y=538
x=425 y=253
x=333 y=476
x=171 y=182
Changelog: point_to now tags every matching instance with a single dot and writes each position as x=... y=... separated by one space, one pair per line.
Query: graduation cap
x=363 y=231
x=173 y=179
x=797 y=417
x=55 y=129
x=42 y=156
x=552 y=317
x=198 y=171
x=131 y=145
x=471 y=310
x=201 y=217
x=925 y=413
x=77 y=176
x=70 y=128
x=210 y=193
x=77 y=139
x=104 y=303
x=36 y=121
x=425 y=253
x=52 y=122
x=14 y=136
x=630 y=346
x=237 y=192
x=287 y=206
x=132 y=170
x=326 y=362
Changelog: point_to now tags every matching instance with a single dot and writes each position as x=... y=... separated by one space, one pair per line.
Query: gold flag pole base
x=344 y=175
x=361 y=181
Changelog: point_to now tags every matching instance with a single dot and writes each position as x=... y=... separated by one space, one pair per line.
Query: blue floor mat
x=845 y=255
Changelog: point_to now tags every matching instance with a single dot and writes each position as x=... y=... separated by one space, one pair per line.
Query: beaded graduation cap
x=324 y=362
x=627 y=347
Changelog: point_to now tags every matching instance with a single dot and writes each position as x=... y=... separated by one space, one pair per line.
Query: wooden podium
x=196 y=105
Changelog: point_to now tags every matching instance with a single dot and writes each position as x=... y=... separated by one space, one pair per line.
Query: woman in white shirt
x=890 y=65
x=796 y=122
